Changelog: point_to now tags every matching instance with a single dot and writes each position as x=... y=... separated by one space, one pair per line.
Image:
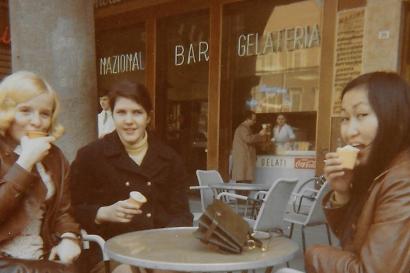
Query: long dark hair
x=389 y=97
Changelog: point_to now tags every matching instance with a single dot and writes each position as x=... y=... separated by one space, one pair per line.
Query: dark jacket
x=103 y=174
x=381 y=239
x=15 y=182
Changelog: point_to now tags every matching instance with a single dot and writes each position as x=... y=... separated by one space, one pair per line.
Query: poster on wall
x=348 y=52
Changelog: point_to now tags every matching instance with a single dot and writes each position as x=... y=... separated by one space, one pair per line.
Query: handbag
x=14 y=265
x=223 y=229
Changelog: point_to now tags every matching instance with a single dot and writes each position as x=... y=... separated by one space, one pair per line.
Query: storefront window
x=182 y=86
x=271 y=56
x=120 y=56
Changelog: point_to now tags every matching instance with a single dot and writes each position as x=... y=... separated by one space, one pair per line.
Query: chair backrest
x=295 y=200
x=271 y=213
x=206 y=178
x=316 y=214
x=288 y=270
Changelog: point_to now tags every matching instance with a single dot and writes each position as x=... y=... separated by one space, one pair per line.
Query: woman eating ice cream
x=368 y=208
x=127 y=160
x=36 y=225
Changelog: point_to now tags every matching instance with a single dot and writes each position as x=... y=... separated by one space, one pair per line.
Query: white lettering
x=268 y=43
x=203 y=52
x=179 y=52
x=298 y=39
x=289 y=39
x=241 y=46
x=191 y=54
x=194 y=53
x=249 y=44
x=121 y=63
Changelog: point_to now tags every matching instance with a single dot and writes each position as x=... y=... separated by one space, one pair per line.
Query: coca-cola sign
x=305 y=163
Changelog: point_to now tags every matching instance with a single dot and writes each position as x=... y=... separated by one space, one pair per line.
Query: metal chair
x=87 y=238
x=288 y=270
x=307 y=216
x=269 y=218
x=206 y=178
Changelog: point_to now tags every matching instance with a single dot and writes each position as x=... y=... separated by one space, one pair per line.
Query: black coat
x=103 y=174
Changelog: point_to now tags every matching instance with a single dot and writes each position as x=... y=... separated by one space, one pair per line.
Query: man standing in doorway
x=243 y=149
x=105 y=121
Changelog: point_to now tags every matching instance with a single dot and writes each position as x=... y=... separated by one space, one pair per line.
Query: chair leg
x=303 y=239
x=329 y=236
x=292 y=225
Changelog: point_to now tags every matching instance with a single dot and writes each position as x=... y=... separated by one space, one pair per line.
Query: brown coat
x=244 y=153
x=381 y=240
x=16 y=181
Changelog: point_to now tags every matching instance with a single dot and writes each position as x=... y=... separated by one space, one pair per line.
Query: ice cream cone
x=36 y=134
x=137 y=199
x=348 y=155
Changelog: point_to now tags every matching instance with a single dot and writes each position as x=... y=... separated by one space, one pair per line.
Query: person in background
x=129 y=159
x=35 y=219
x=105 y=121
x=368 y=208
x=282 y=132
x=243 y=149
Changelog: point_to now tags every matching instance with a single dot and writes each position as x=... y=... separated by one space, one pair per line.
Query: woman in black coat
x=129 y=159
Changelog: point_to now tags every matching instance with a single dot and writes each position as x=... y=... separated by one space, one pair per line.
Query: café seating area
x=291 y=209
x=273 y=211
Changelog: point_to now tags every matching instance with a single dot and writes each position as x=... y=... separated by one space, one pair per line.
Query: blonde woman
x=36 y=226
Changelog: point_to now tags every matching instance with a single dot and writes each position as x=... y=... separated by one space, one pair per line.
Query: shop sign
x=274 y=162
x=5 y=36
x=288 y=39
x=305 y=163
x=116 y=64
x=104 y=3
x=191 y=54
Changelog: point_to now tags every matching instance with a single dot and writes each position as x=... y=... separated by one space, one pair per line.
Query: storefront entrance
x=182 y=86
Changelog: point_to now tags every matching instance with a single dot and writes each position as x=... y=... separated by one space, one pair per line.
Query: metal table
x=177 y=249
x=240 y=186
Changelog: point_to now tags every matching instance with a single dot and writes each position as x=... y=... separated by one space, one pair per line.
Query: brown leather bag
x=13 y=265
x=222 y=228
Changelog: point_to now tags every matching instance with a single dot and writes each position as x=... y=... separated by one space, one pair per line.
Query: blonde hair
x=20 y=87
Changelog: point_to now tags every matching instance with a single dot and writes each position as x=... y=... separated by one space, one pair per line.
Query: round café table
x=177 y=249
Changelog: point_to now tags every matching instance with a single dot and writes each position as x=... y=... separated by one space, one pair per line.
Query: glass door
x=182 y=86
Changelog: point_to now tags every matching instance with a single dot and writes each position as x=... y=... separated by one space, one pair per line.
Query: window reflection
x=271 y=64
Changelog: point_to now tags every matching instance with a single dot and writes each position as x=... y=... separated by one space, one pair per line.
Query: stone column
x=55 y=38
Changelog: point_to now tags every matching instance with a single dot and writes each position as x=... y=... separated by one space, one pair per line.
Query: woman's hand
x=33 y=150
x=67 y=251
x=119 y=212
x=338 y=178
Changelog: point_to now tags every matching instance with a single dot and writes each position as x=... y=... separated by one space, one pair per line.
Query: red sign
x=5 y=36
x=305 y=163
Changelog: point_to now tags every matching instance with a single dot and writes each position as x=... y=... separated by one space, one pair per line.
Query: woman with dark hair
x=129 y=159
x=369 y=207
